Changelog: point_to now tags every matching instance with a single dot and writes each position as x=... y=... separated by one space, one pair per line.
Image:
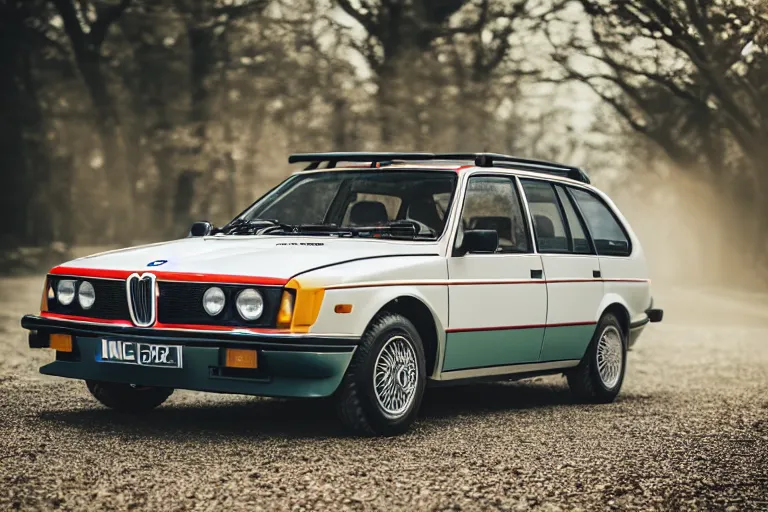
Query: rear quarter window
x=608 y=235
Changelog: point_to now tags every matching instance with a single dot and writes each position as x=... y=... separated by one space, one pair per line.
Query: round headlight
x=86 y=295
x=250 y=304
x=213 y=301
x=65 y=292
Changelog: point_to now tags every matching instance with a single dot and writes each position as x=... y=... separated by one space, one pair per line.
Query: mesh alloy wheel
x=610 y=355
x=395 y=376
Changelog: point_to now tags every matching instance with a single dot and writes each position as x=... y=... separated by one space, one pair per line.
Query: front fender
x=369 y=300
x=368 y=285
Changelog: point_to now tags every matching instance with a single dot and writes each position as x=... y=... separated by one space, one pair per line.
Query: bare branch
x=366 y=20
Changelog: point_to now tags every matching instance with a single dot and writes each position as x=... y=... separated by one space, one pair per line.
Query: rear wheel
x=382 y=390
x=599 y=376
x=128 y=397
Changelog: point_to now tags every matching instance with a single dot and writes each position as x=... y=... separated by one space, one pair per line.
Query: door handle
x=597 y=274
x=537 y=273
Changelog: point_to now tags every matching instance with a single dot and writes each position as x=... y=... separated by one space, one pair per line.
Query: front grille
x=111 y=303
x=141 y=299
x=178 y=303
x=182 y=303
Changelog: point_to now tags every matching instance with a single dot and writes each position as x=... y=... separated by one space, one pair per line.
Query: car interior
x=372 y=204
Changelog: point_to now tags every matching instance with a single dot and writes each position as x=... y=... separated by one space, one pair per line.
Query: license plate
x=142 y=354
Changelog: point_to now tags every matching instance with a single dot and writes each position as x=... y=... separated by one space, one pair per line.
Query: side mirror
x=202 y=228
x=479 y=241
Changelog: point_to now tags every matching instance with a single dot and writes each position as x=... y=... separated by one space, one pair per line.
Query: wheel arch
x=423 y=318
x=622 y=314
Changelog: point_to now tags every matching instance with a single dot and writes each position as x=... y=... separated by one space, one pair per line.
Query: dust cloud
x=690 y=233
x=695 y=243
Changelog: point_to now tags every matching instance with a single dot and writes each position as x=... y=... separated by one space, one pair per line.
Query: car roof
x=436 y=161
x=447 y=166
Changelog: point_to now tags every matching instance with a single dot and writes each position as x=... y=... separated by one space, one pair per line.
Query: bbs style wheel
x=382 y=390
x=599 y=376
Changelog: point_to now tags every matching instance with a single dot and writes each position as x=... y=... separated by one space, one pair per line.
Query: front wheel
x=599 y=376
x=382 y=390
x=128 y=397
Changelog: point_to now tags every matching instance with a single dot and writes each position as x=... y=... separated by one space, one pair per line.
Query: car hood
x=279 y=257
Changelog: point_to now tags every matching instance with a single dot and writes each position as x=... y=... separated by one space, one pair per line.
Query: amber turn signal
x=47 y=295
x=342 y=308
x=60 y=342
x=285 y=313
x=241 y=358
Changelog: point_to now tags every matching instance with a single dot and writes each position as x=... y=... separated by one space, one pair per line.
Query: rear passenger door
x=623 y=268
x=571 y=269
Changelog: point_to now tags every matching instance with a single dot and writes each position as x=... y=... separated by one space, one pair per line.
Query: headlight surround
x=214 y=300
x=65 y=292
x=250 y=304
x=86 y=295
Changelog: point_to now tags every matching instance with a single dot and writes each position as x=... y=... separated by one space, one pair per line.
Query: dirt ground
x=689 y=431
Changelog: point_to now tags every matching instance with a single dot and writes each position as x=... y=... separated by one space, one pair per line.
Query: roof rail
x=480 y=160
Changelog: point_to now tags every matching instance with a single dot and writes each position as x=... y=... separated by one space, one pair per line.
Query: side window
x=548 y=223
x=609 y=237
x=492 y=202
x=579 y=240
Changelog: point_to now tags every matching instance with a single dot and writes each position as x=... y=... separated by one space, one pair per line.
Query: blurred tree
x=691 y=75
x=428 y=56
x=24 y=152
x=87 y=25
x=397 y=34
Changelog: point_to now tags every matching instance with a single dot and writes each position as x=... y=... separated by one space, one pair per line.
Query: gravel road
x=689 y=431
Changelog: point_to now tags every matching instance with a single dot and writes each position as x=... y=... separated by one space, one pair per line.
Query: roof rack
x=480 y=160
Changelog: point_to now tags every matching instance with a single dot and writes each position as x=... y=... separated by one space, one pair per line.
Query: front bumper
x=295 y=366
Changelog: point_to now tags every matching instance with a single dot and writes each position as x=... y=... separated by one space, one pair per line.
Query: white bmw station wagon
x=365 y=278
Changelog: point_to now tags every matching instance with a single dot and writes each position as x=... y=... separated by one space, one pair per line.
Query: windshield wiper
x=248 y=227
x=393 y=229
x=307 y=229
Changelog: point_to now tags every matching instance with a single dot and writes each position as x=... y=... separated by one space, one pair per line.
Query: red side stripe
x=161 y=326
x=84 y=319
x=517 y=327
x=480 y=283
x=170 y=276
x=622 y=280
x=223 y=328
x=273 y=281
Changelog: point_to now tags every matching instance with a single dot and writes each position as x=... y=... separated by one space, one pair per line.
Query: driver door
x=497 y=301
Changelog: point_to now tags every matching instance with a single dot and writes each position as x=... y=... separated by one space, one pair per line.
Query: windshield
x=353 y=199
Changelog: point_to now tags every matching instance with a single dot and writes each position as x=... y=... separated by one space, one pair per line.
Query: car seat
x=424 y=211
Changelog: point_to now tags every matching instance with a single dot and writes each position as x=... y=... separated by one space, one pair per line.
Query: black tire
x=585 y=380
x=127 y=398
x=356 y=401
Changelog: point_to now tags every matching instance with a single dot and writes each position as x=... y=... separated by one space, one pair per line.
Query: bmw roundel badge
x=157 y=263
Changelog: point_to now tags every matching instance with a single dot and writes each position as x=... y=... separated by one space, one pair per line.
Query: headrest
x=368 y=213
x=544 y=226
